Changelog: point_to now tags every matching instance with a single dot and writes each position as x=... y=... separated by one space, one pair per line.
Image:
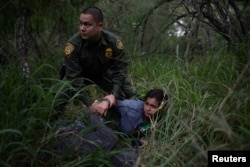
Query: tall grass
x=208 y=110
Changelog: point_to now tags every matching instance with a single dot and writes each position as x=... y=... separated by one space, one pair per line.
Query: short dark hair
x=158 y=94
x=95 y=12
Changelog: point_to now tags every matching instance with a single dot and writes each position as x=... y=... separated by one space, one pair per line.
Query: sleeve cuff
x=116 y=90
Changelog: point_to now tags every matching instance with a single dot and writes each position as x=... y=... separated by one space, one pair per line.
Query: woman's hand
x=103 y=106
x=99 y=107
x=143 y=143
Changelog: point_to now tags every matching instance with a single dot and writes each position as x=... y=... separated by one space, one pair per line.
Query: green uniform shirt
x=84 y=60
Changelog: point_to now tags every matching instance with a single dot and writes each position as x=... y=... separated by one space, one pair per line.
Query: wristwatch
x=108 y=101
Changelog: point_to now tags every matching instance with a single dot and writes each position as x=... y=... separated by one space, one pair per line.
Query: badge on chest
x=108 y=52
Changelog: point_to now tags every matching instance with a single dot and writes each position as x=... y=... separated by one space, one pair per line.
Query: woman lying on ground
x=82 y=140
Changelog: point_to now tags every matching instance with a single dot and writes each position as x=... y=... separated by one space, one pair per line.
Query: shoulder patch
x=68 y=49
x=119 y=44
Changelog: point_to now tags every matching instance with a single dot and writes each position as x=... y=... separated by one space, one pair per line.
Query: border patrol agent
x=96 y=56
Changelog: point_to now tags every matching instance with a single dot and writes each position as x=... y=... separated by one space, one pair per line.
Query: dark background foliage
x=197 y=50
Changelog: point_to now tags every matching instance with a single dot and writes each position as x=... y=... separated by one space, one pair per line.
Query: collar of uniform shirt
x=102 y=41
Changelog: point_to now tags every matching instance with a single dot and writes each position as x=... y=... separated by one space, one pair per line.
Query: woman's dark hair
x=158 y=94
x=95 y=12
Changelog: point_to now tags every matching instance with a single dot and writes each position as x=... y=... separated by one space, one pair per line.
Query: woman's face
x=151 y=107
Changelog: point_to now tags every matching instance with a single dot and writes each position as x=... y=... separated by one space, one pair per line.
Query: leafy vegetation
x=208 y=86
x=208 y=110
